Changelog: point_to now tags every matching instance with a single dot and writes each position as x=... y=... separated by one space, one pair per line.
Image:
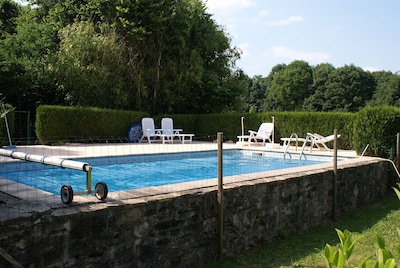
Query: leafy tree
x=387 y=89
x=348 y=89
x=89 y=66
x=320 y=76
x=256 y=90
x=9 y=11
x=176 y=58
x=290 y=87
x=185 y=54
x=24 y=56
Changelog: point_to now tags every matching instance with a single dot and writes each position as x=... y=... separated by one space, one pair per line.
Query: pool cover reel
x=64 y=163
x=67 y=194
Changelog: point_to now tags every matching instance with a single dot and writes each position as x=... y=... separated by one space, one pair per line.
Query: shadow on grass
x=301 y=249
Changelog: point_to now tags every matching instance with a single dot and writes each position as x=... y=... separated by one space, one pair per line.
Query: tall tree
x=176 y=57
x=316 y=101
x=24 y=56
x=89 y=65
x=185 y=54
x=256 y=90
x=9 y=11
x=348 y=89
x=387 y=89
x=290 y=87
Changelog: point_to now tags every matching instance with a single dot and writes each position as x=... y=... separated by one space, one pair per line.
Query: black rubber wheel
x=101 y=190
x=67 y=194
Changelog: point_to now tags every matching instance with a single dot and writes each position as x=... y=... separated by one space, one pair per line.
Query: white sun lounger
x=264 y=133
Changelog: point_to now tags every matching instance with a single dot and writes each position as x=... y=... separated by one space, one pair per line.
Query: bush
x=55 y=123
x=376 y=126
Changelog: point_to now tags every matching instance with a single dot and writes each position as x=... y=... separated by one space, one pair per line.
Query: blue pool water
x=133 y=172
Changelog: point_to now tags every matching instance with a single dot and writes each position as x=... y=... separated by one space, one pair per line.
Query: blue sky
x=270 y=32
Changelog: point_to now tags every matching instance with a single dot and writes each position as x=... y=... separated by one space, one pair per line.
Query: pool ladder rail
x=295 y=137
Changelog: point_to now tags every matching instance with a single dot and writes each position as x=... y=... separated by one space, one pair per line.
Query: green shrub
x=376 y=126
x=55 y=123
x=339 y=256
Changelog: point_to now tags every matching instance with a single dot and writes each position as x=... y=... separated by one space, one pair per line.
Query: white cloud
x=227 y=6
x=287 y=21
x=245 y=50
x=371 y=69
x=311 y=57
x=264 y=13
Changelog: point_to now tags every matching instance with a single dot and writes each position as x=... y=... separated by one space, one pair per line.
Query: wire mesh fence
x=41 y=175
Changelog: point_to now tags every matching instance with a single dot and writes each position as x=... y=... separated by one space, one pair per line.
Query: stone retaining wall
x=180 y=229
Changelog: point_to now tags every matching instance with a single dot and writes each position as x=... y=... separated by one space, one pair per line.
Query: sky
x=340 y=32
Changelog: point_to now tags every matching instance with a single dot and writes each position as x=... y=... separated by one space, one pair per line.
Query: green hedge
x=59 y=123
x=374 y=126
x=286 y=123
x=377 y=126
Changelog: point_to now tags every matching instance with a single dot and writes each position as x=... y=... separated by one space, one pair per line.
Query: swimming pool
x=141 y=171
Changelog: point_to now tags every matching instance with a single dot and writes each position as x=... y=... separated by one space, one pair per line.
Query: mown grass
x=306 y=249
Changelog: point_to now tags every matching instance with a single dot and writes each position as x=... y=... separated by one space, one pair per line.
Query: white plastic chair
x=264 y=133
x=169 y=132
x=148 y=129
x=319 y=140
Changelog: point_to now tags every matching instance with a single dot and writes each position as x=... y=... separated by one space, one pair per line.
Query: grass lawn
x=306 y=249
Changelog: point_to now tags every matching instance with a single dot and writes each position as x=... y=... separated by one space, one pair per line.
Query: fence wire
x=131 y=171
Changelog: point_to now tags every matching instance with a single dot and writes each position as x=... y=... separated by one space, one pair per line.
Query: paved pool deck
x=17 y=200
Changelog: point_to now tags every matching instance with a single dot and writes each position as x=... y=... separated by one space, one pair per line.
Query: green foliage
x=316 y=101
x=256 y=90
x=376 y=126
x=387 y=90
x=83 y=122
x=340 y=256
x=9 y=11
x=24 y=78
x=289 y=87
x=57 y=123
x=90 y=63
x=155 y=56
x=347 y=89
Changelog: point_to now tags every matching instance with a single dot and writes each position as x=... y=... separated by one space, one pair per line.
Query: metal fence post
x=220 y=198
x=335 y=188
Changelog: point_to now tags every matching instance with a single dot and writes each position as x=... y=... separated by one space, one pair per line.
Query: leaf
x=341 y=236
x=397 y=190
x=365 y=263
x=383 y=255
x=380 y=241
x=341 y=260
x=329 y=253
x=398 y=250
x=390 y=263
